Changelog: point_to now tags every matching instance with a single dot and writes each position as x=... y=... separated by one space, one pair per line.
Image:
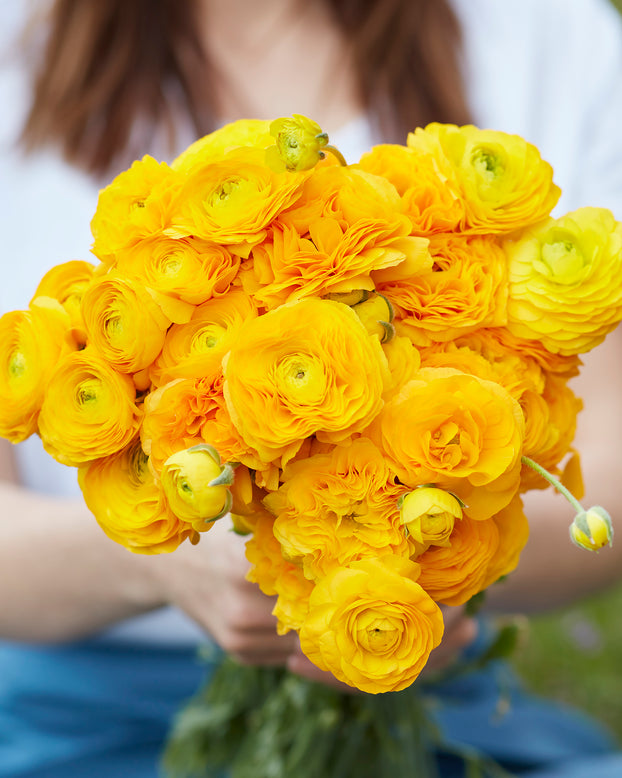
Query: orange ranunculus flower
x=457 y=431
x=31 y=343
x=67 y=283
x=430 y=199
x=551 y=422
x=89 y=410
x=244 y=132
x=564 y=281
x=175 y=415
x=503 y=179
x=513 y=529
x=233 y=199
x=281 y=385
x=465 y=290
x=372 y=625
x=451 y=574
x=123 y=322
x=123 y=495
x=196 y=349
x=339 y=507
x=137 y=204
x=188 y=269
x=332 y=259
x=277 y=576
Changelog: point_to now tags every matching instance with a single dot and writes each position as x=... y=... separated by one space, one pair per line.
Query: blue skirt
x=103 y=709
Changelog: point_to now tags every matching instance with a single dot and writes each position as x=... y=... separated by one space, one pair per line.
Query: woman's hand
x=208 y=582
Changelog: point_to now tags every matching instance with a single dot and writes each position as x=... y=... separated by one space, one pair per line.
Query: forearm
x=60 y=576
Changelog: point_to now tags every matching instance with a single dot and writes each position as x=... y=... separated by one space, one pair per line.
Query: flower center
x=487 y=165
x=301 y=379
x=563 y=260
x=207 y=338
x=17 y=364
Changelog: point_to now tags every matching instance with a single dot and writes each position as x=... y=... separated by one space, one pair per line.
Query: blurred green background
x=575 y=656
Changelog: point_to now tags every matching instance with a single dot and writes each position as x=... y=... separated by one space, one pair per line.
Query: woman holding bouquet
x=104 y=640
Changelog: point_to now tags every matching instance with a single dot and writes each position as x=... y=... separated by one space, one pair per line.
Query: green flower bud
x=196 y=485
x=592 y=529
x=299 y=143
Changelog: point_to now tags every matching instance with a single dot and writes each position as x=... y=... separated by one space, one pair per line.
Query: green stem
x=335 y=152
x=554 y=482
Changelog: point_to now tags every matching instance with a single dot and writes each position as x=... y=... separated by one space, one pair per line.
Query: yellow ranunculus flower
x=244 y=132
x=465 y=290
x=372 y=624
x=31 y=343
x=564 y=281
x=338 y=507
x=196 y=485
x=429 y=515
x=137 y=204
x=123 y=495
x=299 y=144
x=452 y=574
x=188 y=269
x=123 y=322
x=233 y=200
x=503 y=179
x=196 y=349
x=67 y=283
x=305 y=368
x=458 y=431
x=89 y=410
x=513 y=533
x=376 y=313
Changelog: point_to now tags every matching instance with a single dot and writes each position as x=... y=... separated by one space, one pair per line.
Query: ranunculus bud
x=376 y=313
x=196 y=485
x=299 y=143
x=592 y=529
x=429 y=514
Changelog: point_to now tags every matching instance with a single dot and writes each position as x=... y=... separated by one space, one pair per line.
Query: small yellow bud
x=196 y=485
x=592 y=529
x=299 y=143
x=429 y=514
x=376 y=313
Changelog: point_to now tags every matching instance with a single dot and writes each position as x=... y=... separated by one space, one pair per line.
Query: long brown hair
x=130 y=66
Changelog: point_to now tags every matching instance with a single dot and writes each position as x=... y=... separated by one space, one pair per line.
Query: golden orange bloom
x=137 y=204
x=335 y=508
x=233 y=200
x=89 y=410
x=430 y=197
x=465 y=290
x=123 y=322
x=457 y=431
x=372 y=624
x=196 y=349
x=281 y=385
x=451 y=574
x=502 y=178
x=31 y=343
x=188 y=269
x=123 y=495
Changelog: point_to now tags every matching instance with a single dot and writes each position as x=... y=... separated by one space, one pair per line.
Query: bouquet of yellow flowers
x=359 y=363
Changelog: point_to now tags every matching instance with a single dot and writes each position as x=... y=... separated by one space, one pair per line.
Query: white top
x=549 y=70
